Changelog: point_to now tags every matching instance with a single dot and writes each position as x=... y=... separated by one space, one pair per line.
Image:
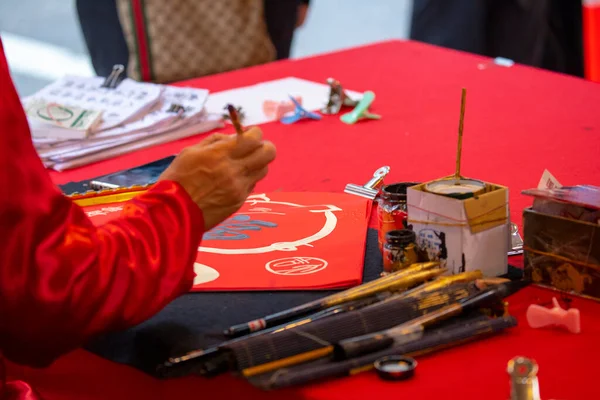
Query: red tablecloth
x=519 y=120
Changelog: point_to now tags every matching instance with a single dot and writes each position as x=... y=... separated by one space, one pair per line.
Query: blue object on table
x=299 y=113
x=146 y=174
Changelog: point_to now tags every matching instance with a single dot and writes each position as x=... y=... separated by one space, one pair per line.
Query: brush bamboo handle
x=461 y=122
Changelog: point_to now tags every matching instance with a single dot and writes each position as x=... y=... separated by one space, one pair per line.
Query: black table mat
x=196 y=320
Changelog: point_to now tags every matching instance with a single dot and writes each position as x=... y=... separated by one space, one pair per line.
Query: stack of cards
x=77 y=121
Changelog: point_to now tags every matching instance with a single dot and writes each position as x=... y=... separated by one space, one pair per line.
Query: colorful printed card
x=280 y=241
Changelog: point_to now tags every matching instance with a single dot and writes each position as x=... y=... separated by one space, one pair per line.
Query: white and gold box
x=464 y=234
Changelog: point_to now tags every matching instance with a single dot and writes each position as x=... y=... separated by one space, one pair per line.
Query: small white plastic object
x=540 y=317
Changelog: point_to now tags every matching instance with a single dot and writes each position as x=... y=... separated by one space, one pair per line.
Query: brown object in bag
x=182 y=39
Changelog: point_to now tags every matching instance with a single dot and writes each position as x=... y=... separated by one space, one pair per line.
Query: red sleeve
x=62 y=280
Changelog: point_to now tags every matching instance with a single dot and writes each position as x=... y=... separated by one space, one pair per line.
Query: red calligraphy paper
x=280 y=241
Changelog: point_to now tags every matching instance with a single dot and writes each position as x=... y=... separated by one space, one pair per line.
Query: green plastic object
x=361 y=111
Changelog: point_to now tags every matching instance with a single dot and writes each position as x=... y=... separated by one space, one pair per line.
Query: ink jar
x=399 y=250
x=391 y=209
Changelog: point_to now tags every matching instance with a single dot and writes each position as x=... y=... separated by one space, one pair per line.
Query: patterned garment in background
x=182 y=39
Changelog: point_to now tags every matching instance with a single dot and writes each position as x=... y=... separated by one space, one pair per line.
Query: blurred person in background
x=540 y=33
x=181 y=39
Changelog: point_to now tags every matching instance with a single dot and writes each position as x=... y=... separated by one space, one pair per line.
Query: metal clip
x=369 y=189
x=524 y=383
x=337 y=98
x=516 y=241
x=115 y=77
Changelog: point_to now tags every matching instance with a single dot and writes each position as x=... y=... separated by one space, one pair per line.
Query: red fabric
x=20 y=390
x=472 y=371
x=139 y=22
x=63 y=280
x=323 y=234
x=591 y=40
x=519 y=120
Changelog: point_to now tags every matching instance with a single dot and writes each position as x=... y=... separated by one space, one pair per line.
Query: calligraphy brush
x=461 y=124
x=259 y=348
x=414 y=329
x=318 y=340
x=460 y=332
x=205 y=356
x=439 y=283
x=349 y=306
x=407 y=278
x=250 y=351
x=457 y=186
x=235 y=119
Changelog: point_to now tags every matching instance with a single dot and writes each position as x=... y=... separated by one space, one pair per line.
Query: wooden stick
x=463 y=101
x=288 y=361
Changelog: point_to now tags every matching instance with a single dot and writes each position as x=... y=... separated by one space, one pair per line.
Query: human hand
x=301 y=16
x=220 y=172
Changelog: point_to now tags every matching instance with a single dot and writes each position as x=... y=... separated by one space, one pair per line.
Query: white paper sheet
x=548 y=181
x=200 y=125
x=119 y=105
x=192 y=99
x=159 y=120
x=314 y=97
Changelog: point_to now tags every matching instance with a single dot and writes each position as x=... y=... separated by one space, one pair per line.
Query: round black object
x=395 y=368
x=396 y=191
x=401 y=237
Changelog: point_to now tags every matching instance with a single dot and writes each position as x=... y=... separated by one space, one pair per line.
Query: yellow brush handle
x=289 y=361
x=108 y=196
x=448 y=280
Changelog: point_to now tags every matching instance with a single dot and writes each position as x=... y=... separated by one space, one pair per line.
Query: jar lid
x=396 y=191
x=395 y=368
x=457 y=188
x=401 y=237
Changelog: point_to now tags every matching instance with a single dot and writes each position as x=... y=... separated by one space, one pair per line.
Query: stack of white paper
x=134 y=115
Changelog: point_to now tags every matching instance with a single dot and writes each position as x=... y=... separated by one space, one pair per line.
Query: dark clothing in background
x=106 y=44
x=540 y=33
x=103 y=34
x=281 y=16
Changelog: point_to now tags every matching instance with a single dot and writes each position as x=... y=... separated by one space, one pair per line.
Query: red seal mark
x=296 y=265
